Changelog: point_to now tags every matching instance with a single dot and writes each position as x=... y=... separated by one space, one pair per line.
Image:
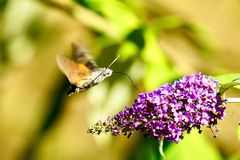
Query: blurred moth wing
x=82 y=56
x=75 y=72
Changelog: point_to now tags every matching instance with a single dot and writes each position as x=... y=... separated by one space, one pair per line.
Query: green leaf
x=228 y=81
x=226 y=86
x=225 y=78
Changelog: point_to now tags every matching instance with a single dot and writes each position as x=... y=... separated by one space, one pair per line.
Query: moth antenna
x=129 y=79
x=113 y=61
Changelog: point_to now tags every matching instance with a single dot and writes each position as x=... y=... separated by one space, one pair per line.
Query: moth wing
x=81 y=55
x=75 y=72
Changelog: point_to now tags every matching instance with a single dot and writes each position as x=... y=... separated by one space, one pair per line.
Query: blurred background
x=158 y=40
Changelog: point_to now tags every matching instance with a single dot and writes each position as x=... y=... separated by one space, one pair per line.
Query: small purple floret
x=171 y=109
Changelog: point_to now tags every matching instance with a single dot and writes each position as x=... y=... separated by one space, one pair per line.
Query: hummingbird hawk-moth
x=82 y=71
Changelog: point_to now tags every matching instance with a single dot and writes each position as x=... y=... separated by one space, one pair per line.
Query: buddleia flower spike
x=169 y=111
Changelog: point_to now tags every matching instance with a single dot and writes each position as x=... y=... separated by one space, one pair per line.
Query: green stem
x=161 y=148
x=233 y=100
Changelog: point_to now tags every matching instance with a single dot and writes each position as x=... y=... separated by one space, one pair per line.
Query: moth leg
x=83 y=89
x=71 y=90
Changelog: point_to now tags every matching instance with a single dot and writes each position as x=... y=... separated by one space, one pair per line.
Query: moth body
x=93 y=79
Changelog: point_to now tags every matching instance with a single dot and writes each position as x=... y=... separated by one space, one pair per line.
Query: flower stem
x=161 y=148
x=233 y=100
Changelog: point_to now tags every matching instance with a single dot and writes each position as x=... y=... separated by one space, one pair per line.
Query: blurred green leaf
x=193 y=146
x=84 y=3
x=146 y=149
x=127 y=50
x=199 y=37
x=196 y=34
x=168 y=22
x=3 y=3
x=159 y=69
x=136 y=36
x=119 y=14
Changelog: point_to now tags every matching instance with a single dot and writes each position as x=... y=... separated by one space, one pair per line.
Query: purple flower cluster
x=168 y=111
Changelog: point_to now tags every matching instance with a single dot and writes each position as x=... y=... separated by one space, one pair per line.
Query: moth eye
x=104 y=74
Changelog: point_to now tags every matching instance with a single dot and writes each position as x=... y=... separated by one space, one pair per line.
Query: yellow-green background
x=158 y=40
